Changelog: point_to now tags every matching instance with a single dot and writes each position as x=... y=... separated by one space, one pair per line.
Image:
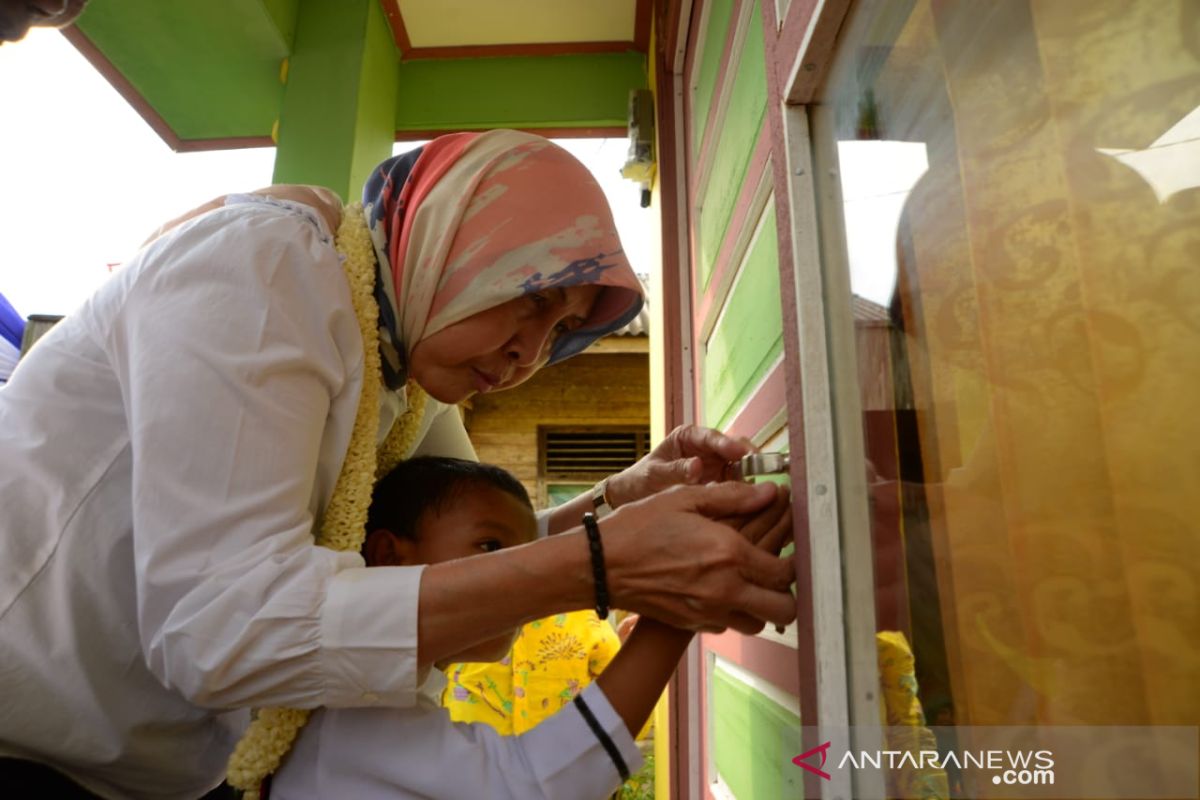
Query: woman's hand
x=688 y=455
x=324 y=201
x=668 y=559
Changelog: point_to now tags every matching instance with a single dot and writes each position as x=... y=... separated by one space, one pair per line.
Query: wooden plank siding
x=712 y=53
x=737 y=316
x=752 y=197
x=609 y=389
x=746 y=211
x=758 y=724
x=747 y=339
x=725 y=164
x=727 y=212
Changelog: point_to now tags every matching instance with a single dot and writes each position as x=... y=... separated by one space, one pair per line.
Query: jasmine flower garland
x=343 y=527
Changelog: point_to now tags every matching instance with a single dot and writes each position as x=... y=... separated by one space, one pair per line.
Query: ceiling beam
x=566 y=91
x=145 y=110
x=639 y=43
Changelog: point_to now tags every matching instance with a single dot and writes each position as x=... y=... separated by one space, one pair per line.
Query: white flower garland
x=343 y=527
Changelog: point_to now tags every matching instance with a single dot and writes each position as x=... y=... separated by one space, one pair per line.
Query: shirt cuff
x=369 y=637
x=566 y=755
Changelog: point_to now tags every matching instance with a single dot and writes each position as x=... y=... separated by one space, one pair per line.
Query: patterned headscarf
x=473 y=220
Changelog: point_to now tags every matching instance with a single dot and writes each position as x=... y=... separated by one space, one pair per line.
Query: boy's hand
x=626 y=627
x=771 y=528
x=669 y=559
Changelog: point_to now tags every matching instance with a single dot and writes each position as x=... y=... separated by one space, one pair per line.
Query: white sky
x=84 y=180
x=878 y=175
x=876 y=178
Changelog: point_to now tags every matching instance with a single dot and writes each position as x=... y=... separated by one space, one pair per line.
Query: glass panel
x=559 y=493
x=1019 y=196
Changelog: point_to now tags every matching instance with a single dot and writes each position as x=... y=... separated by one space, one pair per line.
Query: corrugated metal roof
x=868 y=311
x=639 y=325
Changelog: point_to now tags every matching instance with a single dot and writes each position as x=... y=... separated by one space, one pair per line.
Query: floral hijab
x=473 y=220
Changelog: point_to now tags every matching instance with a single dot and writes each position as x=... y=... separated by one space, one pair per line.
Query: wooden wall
x=590 y=389
x=747 y=708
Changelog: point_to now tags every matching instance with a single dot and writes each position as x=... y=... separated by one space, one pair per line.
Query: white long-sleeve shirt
x=418 y=752
x=164 y=453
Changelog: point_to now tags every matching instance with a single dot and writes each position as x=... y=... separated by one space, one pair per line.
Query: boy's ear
x=384 y=548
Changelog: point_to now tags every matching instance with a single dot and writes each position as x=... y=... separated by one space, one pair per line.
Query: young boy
x=430 y=510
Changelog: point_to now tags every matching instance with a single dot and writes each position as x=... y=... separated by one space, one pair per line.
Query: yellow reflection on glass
x=1020 y=190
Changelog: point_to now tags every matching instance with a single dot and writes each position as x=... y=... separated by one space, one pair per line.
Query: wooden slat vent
x=570 y=453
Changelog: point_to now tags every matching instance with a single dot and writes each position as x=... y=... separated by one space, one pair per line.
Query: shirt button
x=370 y=697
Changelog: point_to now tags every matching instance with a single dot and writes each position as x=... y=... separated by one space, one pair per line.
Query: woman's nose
x=530 y=346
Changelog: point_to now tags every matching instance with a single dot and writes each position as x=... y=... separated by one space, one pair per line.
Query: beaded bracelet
x=597 y=550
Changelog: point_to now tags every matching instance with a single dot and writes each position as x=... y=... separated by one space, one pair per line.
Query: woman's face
x=500 y=347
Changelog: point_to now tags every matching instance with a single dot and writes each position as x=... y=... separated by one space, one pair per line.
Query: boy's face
x=479 y=519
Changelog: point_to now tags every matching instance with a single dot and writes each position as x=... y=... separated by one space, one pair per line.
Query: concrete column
x=338 y=115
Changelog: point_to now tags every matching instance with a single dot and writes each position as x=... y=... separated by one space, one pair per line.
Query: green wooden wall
x=752 y=737
x=754 y=740
x=748 y=337
x=712 y=47
x=737 y=133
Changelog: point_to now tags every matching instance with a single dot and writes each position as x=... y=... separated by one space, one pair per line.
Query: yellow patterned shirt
x=901 y=713
x=552 y=660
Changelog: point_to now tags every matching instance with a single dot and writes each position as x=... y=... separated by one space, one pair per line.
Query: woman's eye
x=490 y=545
x=538 y=299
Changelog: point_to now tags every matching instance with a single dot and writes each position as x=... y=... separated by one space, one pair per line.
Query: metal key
x=759 y=464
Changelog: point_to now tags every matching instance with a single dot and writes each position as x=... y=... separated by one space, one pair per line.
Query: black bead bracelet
x=597 y=550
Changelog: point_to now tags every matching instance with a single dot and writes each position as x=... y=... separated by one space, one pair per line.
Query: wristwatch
x=600 y=505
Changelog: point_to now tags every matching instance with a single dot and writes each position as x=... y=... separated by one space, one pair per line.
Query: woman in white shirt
x=168 y=451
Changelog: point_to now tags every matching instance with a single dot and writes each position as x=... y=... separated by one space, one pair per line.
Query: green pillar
x=338 y=115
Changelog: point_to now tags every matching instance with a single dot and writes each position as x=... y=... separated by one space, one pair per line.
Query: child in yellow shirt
x=552 y=660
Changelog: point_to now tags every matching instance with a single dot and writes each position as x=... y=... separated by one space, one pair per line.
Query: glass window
x=573 y=459
x=1019 y=195
x=559 y=493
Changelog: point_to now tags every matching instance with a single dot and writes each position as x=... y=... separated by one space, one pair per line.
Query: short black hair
x=432 y=483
